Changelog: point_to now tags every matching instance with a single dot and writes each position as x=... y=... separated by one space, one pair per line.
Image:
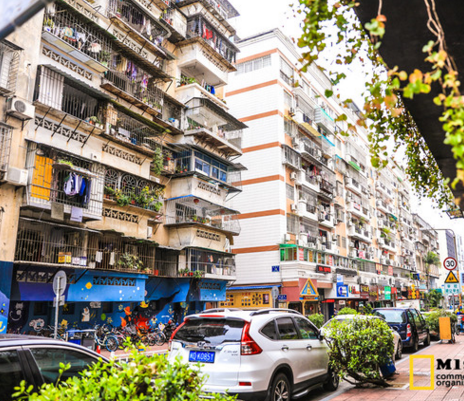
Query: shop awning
x=354 y=165
x=181 y=295
x=252 y=287
x=328 y=140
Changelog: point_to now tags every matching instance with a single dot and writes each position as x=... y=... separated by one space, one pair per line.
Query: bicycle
x=105 y=339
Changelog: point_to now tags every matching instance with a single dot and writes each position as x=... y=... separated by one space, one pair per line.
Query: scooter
x=169 y=328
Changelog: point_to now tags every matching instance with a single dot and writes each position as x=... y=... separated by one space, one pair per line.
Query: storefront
x=343 y=294
x=301 y=295
x=255 y=297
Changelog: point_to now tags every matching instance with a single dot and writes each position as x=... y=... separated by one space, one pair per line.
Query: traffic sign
x=451 y=289
x=450 y=264
x=59 y=283
x=451 y=278
x=275 y=292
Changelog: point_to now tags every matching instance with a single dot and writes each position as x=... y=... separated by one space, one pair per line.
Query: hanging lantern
x=196 y=201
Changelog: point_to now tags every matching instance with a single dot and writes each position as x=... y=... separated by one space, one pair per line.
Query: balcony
x=384 y=207
x=133 y=193
x=210 y=126
x=191 y=210
x=324 y=121
x=43 y=243
x=358 y=210
x=383 y=189
x=387 y=244
x=206 y=54
x=353 y=185
x=86 y=41
x=208 y=167
x=361 y=233
x=309 y=179
x=327 y=188
x=137 y=24
x=307 y=210
x=291 y=158
x=325 y=219
x=212 y=264
x=49 y=170
x=201 y=188
x=176 y=23
x=310 y=150
x=128 y=129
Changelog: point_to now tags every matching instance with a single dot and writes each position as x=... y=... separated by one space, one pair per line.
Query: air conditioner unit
x=292 y=111
x=311 y=245
x=302 y=242
x=16 y=176
x=319 y=247
x=287 y=237
x=318 y=178
x=293 y=176
x=293 y=207
x=381 y=241
x=350 y=223
x=20 y=109
x=374 y=280
x=353 y=254
x=321 y=216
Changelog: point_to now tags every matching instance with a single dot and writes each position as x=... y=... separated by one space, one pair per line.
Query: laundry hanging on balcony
x=77 y=187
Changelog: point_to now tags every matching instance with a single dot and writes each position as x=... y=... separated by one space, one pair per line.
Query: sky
x=262 y=15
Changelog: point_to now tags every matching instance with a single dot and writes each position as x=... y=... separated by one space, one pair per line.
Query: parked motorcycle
x=169 y=328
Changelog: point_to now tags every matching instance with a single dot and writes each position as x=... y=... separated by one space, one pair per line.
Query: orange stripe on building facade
x=260 y=180
x=263 y=213
x=256 y=249
x=253 y=87
x=261 y=147
x=261 y=115
x=255 y=56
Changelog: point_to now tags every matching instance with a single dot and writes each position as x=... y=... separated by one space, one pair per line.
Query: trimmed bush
x=347 y=311
x=317 y=319
x=143 y=378
x=358 y=348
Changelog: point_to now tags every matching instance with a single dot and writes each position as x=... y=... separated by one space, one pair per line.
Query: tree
x=384 y=115
x=347 y=311
x=433 y=298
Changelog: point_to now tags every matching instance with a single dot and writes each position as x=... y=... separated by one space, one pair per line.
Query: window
x=210 y=167
x=9 y=63
x=253 y=65
x=292 y=224
x=287 y=100
x=212 y=331
x=107 y=307
x=5 y=145
x=286 y=72
x=339 y=188
x=40 y=308
x=10 y=372
x=307 y=330
x=288 y=254
x=344 y=242
x=290 y=192
x=287 y=329
x=48 y=360
x=288 y=127
x=269 y=331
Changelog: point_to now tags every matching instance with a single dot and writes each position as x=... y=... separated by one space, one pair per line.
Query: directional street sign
x=451 y=278
x=450 y=263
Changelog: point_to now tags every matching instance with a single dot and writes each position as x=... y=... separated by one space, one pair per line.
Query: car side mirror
x=320 y=336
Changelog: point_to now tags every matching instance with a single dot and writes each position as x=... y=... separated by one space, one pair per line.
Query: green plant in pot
x=105 y=57
x=157 y=163
x=121 y=198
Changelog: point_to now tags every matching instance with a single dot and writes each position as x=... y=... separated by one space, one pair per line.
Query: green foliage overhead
x=358 y=348
x=143 y=378
x=317 y=319
x=384 y=114
x=347 y=311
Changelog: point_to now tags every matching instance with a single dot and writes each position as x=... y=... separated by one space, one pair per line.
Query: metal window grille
x=292 y=224
x=76 y=32
x=5 y=146
x=290 y=192
x=211 y=262
x=9 y=63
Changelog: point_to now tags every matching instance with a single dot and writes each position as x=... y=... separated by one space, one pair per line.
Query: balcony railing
x=327 y=187
x=69 y=31
x=59 y=92
x=53 y=179
x=198 y=27
x=191 y=210
x=38 y=242
x=141 y=89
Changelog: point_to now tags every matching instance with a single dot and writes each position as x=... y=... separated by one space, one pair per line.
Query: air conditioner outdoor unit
x=287 y=237
x=311 y=245
x=302 y=242
x=292 y=111
x=350 y=223
x=293 y=176
x=16 y=176
x=20 y=109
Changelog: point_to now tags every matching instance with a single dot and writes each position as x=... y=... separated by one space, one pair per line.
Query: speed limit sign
x=450 y=263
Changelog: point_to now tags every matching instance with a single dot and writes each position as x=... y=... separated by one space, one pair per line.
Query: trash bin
x=82 y=337
x=388 y=369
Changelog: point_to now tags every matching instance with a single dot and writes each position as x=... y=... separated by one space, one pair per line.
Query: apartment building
x=117 y=150
x=317 y=221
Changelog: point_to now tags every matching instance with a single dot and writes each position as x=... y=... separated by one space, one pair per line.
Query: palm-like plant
x=431 y=259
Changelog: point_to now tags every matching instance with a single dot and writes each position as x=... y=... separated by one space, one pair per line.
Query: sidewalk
x=400 y=390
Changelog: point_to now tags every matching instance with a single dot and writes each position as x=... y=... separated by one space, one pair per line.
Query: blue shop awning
x=253 y=287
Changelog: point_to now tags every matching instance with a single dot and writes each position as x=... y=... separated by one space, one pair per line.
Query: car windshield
x=211 y=331
x=392 y=315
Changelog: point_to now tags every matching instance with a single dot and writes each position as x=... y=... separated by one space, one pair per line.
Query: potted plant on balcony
x=184 y=272
x=108 y=192
x=49 y=24
x=121 y=198
x=198 y=274
x=157 y=163
x=194 y=217
x=105 y=57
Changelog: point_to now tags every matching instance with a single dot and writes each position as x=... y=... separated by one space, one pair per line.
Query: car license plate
x=201 y=356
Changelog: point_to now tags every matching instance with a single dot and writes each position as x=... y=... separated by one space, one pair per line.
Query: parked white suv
x=271 y=354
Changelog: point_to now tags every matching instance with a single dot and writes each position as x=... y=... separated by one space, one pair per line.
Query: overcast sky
x=262 y=15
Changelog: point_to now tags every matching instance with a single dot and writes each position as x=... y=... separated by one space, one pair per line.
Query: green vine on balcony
x=385 y=116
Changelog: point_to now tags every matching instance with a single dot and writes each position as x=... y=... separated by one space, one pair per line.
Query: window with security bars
x=286 y=72
x=290 y=192
x=292 y=224
x=344 y=242
x=339 y=188
x=253 y=65
x=5 y=145
x=288 y=128
x=287 y=100
x=9 y=63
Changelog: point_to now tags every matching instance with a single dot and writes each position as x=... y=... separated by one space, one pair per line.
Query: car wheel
x=427 y=340
x=280 y=389
x=415 y=345
x=332 y=382
x=399 y=350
